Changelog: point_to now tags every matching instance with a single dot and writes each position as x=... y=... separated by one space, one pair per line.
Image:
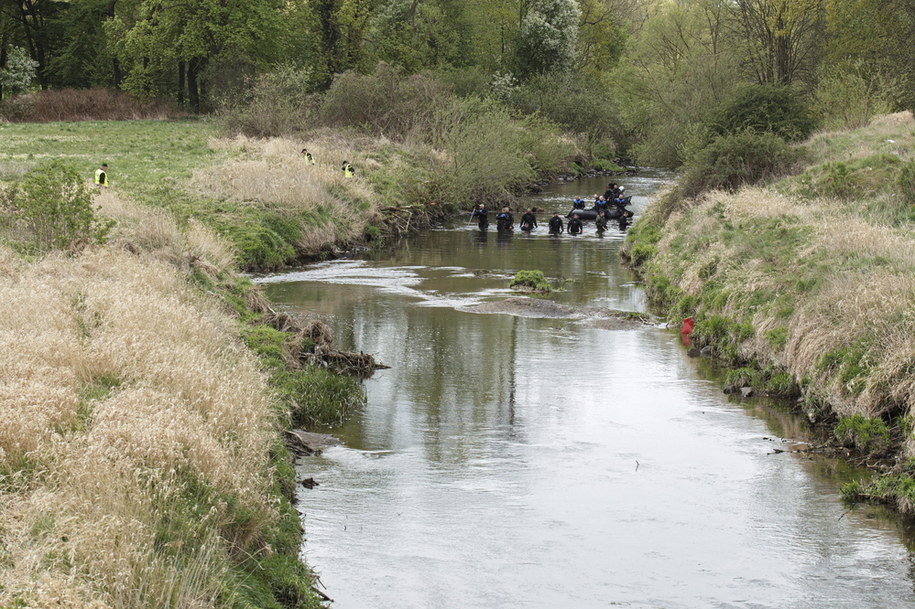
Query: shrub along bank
x=805 y=286
x=140 y=458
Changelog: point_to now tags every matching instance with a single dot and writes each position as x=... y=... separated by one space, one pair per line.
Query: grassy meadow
x=257 y=193
x=805 y=287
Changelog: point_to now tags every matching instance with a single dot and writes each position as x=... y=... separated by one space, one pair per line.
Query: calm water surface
x=520 y=462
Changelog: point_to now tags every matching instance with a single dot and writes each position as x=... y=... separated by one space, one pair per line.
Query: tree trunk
x=181 y=69
x=193 y=93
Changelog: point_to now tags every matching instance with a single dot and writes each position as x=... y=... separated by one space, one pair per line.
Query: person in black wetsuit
x=556 y=224
x=528 y=221
x=575 y=225
x=578 y=203
x=482 y=216
x=612 y=191
x=624 y=219
x=601 y=222
x=505 y=222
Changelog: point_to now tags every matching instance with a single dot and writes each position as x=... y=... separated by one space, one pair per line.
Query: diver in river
x=601 y=222
x=555 y=224
x=612 y=191
x=505 y=222
x=575 y=225
x=624 y=220
x=578 y=203
x=528 y=220
x=482 y=216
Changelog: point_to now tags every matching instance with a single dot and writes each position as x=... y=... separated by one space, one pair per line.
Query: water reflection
x=525 y=462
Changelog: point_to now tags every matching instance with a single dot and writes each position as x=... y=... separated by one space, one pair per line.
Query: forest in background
x=642 y=78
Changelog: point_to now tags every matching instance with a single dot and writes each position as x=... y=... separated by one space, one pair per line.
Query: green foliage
x=849 y=364
x=546 y=41
x=777 y=337
x=387 y=102
x=275 y=103
x=905 y=184
x=865 y=434
x=724 y=336
x=765 y=109
x=848 y=97
x=50 y=207
x=314 y=396
x=19 y=73
x=741 y=159
x=534 y=280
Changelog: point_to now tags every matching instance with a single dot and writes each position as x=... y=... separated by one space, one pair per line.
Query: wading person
x=578 y=203
x=624 y=220
x=505 y=222
x=482 y=216
x=556 y=224
x=601 y=222
x=101 y=176
x=309 y=160
x=528 y=221
x=575 y=226
x=348 y=170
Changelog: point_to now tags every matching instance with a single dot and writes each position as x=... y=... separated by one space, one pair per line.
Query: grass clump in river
x=807 y=277
x=531 y=281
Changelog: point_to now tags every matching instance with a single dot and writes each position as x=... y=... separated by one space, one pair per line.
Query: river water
x=515 y=461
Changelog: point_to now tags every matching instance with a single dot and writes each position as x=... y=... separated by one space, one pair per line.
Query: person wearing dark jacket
x=575 y=225
x=482 y=216
x=528 y=221
x=601 y=222
x=556 y=224
x=505 y=222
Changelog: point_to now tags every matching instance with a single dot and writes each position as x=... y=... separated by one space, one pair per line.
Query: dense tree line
x=658 y=69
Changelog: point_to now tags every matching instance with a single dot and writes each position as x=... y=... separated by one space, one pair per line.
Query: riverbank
x=804 y=287
x=141 y=452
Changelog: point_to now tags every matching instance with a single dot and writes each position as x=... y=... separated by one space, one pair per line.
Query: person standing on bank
x=482 y=216
x=348 y=170
x=101 y=176
x=309 y=160
x=528 y=220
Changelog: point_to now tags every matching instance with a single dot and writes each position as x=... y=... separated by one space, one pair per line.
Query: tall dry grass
x=135 y=431
x=272 y=174
x=847 y=285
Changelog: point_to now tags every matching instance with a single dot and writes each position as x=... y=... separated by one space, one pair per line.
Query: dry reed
x=122 y=386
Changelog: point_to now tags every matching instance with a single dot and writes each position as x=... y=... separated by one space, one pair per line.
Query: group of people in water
x=609 y=206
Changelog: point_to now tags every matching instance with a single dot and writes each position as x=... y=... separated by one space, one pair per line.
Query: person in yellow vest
x=309 y=160
x=101 y=175
x=348 y=170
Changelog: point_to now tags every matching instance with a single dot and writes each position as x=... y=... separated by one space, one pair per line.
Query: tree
x=184 y=45
x=781 y=37
x=548 y=35
x=19 y=73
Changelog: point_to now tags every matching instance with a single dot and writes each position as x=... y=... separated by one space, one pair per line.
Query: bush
x=386 y=102
x=733 y=161
x=274 y=104
x=848 y=97
x=765 y=109
x=50 y=207
x=84 y=105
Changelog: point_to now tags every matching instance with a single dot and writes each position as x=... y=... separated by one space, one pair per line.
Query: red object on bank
x=686 y=329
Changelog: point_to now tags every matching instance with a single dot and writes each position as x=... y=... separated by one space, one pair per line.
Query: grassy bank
x=805 y=286
x=140 y=458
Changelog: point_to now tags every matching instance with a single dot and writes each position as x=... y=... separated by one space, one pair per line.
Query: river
x=512 y=461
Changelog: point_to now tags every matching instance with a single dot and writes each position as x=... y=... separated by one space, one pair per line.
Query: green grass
x=534 y=280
